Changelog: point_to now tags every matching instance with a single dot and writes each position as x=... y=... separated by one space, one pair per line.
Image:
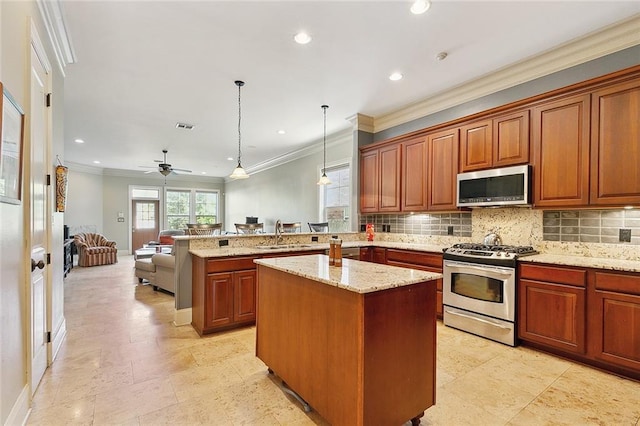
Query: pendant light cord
x=324 y=141
x=239 y=84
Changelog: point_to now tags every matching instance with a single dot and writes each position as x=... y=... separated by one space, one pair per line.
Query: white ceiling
x=142 y=66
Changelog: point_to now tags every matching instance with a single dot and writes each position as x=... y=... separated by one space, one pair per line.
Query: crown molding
x=343 y=136
x=362 y=122
x=52 y=14
x=612 y=39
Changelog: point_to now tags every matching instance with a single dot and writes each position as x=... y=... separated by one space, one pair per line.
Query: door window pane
x=145 y=215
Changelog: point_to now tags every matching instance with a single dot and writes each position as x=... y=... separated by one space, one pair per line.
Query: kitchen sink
x=283 y=246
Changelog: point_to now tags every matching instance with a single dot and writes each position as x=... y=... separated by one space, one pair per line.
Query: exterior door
x=146 y=222
x=37 y=190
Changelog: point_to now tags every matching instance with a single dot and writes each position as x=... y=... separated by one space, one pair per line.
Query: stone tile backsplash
x=591 y=226
x=420 y=224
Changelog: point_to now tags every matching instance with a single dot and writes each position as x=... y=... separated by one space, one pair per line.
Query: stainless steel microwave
x=508 y=186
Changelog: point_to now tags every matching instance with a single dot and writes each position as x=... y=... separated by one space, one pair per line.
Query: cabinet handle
x=479 y=319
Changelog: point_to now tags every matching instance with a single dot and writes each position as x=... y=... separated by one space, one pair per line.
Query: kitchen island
x=357 y=342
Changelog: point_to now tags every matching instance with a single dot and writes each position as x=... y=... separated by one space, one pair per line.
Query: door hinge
x=48 y=100
x=48 y=180
x=48 y=258
x=48 y=337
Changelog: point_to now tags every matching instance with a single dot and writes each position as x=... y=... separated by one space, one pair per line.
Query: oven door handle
x=478 y=319
x=499 y=271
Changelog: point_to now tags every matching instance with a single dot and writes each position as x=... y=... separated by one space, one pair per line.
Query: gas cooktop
x=482 y=251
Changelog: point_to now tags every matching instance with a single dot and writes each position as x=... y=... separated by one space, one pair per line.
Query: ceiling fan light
x=165 y=172
x=239 y=173
x=324 y=180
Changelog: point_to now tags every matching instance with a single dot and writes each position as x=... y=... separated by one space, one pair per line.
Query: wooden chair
x=204 y=228
x=319 y=227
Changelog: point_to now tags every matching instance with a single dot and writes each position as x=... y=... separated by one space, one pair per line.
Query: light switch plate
x=625 y=236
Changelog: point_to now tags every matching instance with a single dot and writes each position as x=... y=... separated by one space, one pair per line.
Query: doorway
x=145 y=223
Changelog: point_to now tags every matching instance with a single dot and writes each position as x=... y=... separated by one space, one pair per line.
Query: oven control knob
x=500 y=253
x=507 y=254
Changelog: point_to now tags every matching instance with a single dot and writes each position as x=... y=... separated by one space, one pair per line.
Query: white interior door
x=38 y=221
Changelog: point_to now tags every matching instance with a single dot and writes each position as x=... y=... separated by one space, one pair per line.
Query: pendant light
x=324 y=180
x=239 y=172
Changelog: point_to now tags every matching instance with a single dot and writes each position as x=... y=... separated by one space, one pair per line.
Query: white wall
x=287 y=192
x=84 y=199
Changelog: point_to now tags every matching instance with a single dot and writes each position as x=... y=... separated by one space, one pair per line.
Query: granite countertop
x=354 y=275
x=583 y=261
x=252 y=251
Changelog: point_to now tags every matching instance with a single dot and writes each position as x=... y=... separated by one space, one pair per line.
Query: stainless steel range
x=479 y=289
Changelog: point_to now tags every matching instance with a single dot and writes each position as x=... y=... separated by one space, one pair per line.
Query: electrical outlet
x=222 y=243
x=625 y=236
x=449 y=230
x=314 y=239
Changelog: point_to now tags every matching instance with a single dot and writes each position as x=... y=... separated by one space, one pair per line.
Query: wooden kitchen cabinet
x=615 y=144
x=224 y=293
x=414 y=175
x=369 y=181
x=431 y=262
x=497 y=142
x=561 y=152
x=614 y=328
x=552 y=306
x=443 y=169
x=380 y=179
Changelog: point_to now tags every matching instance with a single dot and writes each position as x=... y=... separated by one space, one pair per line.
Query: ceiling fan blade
x=181 y=170
x=149 y=171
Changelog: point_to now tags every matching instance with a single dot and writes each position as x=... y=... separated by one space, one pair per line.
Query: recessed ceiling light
x=203 y=173
x=230 y=158
x=395 y=76
x=96 y=162
x=420 y=6
x=79 y=141
x=281 y=132
x=302 y=38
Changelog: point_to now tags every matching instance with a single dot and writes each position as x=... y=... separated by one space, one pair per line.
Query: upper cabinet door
x=615 y=145
x=511 y=139
x=390 y=178
x=476 y=146
x=443 y=169
x=369 y=179
x=561 y=152
x=414 y=175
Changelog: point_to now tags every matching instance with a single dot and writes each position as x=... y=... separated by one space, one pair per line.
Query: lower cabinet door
x=244 y=283
x=552 y=314
x=218 y=300
x=616 y=334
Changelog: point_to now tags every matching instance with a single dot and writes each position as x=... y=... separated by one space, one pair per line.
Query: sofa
x=158 y=271
x=94 y=249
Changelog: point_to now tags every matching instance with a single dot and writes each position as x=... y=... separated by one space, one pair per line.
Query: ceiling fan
x=165 y=168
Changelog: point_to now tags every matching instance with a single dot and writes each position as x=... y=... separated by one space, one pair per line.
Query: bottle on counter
x=338 y=252
x=370 y=231
x=332 y=252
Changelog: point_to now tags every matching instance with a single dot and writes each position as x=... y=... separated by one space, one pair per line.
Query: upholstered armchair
x=95 y=249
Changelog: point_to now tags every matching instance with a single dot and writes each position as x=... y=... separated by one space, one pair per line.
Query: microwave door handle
x=485 y=270
x=478 y=319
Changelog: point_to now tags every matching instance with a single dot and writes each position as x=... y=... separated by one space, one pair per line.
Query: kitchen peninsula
x=356 y=342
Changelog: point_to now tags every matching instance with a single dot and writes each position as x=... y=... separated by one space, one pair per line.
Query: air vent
x=185 y=126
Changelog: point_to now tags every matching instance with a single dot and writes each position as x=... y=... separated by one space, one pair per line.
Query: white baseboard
x=20 y=410
x=182 y=317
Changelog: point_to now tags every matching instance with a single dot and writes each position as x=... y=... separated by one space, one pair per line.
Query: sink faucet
x=278 y=233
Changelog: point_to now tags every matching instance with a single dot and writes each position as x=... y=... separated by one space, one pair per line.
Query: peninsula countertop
x=353 y=275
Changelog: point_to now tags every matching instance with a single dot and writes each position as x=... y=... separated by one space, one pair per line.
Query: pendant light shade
x=239 y=172
x=324 y=180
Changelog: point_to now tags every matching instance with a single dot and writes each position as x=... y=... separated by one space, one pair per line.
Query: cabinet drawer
x=621 y=283
x=415 y=258
x=576 y=277
x=230 y=265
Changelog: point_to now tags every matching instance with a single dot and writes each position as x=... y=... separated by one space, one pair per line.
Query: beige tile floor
x=124 y=363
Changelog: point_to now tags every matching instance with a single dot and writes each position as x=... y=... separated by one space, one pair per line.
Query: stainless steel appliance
x=479 y=289
x=495 y=187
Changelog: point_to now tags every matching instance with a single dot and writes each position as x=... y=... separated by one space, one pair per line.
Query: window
x=335 y=199
x=145 y=215
x=190 y=206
